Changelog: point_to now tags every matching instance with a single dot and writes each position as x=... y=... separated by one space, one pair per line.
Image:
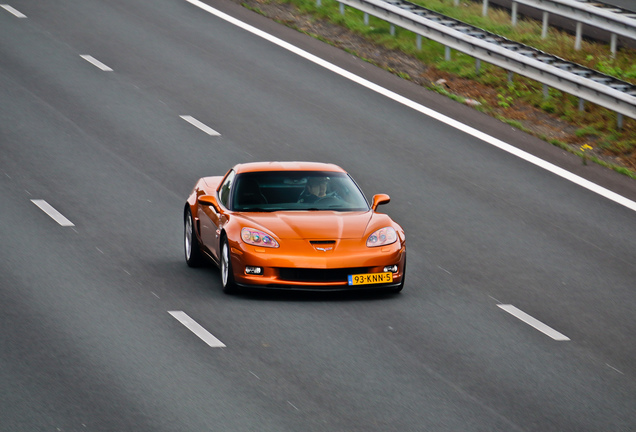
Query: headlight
x=258 y=238
x=382 y=237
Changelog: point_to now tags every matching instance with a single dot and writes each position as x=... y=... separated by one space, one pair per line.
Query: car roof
x=286 y=166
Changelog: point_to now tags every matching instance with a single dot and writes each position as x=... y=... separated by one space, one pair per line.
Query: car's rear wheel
x=193 y=254
x=227 y=277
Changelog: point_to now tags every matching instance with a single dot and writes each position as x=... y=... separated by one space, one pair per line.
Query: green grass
x=595 y=56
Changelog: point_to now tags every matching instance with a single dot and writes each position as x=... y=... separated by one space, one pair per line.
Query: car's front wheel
x=227 y=277
x=193 y=254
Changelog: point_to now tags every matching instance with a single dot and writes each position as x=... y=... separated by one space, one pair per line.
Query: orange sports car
x=293 y=225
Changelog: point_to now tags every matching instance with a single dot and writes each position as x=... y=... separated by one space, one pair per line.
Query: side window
x=224 y=191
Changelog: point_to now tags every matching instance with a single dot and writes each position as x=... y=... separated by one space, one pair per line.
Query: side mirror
x=380 y=199
x=209 y=200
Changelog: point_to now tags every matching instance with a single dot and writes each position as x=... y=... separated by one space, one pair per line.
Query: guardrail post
x=560 y=76
x=513 y=13
x=544 y=29
x=318 y=3
x=418 y=41
x=366 y=19
x=392 y=30
x=579 y=36
x=456 y=2
x=619 y=121
x=447 y=53
x=484 y=9
x=581 y=104
x=510 y=76
x=613 y=44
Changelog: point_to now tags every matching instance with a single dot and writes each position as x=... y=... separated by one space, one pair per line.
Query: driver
x=316 y=189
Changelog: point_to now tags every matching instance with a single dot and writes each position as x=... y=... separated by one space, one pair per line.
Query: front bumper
x=299 y=266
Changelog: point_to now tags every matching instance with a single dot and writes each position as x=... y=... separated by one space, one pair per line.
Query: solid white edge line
x=196 y=328
x=13 y=11
x=54 y=214
x=619 y=199
x=196 y=123
x=533 y=322
x=92 y=60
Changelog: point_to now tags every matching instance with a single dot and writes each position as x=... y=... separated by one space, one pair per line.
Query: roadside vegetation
x=593 y=134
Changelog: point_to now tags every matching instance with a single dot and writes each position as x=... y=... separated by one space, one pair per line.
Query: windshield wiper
x=332 y=207
x=257 y=209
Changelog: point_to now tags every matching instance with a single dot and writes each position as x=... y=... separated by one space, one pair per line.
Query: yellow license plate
x=370 y=278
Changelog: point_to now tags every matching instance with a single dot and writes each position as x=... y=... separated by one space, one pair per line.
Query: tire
x=225 y=268
x=193 y=255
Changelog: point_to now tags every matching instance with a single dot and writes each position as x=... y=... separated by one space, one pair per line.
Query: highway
x=517 y=314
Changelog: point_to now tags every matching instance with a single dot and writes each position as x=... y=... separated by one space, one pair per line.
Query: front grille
x=319 y=275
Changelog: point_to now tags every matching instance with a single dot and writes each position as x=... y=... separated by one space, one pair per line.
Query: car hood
x=318 y=225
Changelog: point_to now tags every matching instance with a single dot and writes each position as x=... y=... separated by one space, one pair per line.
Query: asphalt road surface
x=518 y=310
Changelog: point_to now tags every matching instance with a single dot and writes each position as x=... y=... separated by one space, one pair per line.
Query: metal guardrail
x=613 y=19
x=552 y=71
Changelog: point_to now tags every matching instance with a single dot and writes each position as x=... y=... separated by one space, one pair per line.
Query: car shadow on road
x=283 y=295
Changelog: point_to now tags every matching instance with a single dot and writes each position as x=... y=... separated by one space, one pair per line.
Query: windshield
x=296 y=190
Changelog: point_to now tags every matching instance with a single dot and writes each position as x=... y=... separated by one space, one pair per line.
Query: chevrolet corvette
x=293 y=225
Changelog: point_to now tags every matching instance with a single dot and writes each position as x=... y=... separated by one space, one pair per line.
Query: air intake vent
x=319 y=275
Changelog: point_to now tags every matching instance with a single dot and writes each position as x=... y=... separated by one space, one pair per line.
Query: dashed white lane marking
x=549 y=331
x=92 y=60
x=196 y=123
x=293 y=406
x=54 y=214
x=424 y=110
x=196 y=328
x=13 y=11
x=613 y=368
x=445 y=270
